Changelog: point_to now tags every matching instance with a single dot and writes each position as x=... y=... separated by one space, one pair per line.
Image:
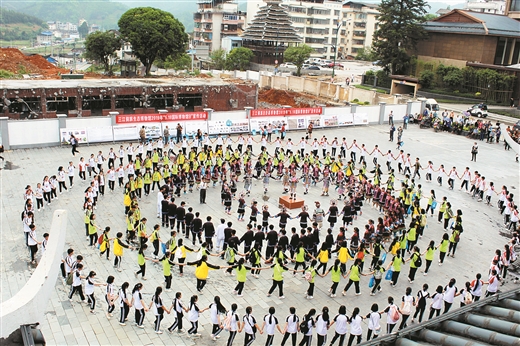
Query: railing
x=391 y=338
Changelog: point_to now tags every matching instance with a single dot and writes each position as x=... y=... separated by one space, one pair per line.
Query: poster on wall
x=237 y=126
x=193 y=126
x=360 y=119
x=100 y=134
x=80 y=134
x=125 y=132
x=297 y=123
x=217 y=127
x=153 y=130
x=329 y=121
x=345 y=119
x=316 y=121
x=228 y=126
x=259 y=123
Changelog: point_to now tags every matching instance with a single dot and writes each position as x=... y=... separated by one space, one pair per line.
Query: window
x=230 y=17
x=298 y=20
x=189 y=101
x=336 y=13
x=61 y=105
x=96 y=104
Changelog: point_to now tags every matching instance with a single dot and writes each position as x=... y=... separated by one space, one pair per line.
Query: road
x=491 y=116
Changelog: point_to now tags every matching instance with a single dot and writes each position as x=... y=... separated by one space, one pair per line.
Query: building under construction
x=21 y=99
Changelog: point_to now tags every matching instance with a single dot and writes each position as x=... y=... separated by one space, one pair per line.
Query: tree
x=297 y=55
x=366 y=54
x=100 y=46
x=83 y=30
x=398 y=33
x=219 y=59
x=430 y=16
x=153 y=34
x=181 y=62
x=426 y=79
x=239 y=58
x=454 y=78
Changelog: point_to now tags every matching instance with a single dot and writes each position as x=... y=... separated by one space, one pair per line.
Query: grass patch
x=364 y=87
x=4 y=74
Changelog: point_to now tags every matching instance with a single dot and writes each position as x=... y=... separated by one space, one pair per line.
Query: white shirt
x=493 y=284
x=111 y=175
x=76 y=278
x=437 y=301
x=355 y=325
x=220 y=231
x=122 y=297
x=449 y=293
x=89 y=287
x=137 y=300
x=321 y=325
x=193 y=314
x=373 y=320
x=270 y=324
x=292 y=323
x=233 y=322
x=389 y=319
x=213 y=311
x=341 y=324
x=30 y=240
x=249 y=322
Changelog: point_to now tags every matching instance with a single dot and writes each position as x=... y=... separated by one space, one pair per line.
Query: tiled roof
x=484 y=24
x=271 y=23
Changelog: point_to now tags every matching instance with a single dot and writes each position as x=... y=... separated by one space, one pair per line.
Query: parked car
x=478 y=110
x=312 y=67
x=337 y=65
x=305 y=66
x=288 y=65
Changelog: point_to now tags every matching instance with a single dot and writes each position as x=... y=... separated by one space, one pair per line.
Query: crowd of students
x=194 y=166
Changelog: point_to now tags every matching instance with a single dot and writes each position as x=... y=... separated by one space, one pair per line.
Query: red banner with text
x=285 y=112
x=154 y=117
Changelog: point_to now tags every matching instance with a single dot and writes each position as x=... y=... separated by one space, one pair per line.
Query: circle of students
x=169 y=166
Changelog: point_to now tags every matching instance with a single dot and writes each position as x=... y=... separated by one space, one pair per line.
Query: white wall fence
x=17 y=134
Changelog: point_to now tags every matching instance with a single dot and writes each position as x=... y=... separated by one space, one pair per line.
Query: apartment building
x=317 y=22
x=361 y=20
x=486 y=6
x=214 y=20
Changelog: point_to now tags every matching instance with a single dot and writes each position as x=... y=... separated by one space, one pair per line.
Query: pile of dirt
x=14 y=61
x=274 y=98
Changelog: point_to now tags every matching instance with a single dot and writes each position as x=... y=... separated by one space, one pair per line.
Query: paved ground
x=67 y=323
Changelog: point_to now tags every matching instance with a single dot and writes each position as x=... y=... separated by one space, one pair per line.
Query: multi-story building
x=486 y=6
x=513 y=9
x=317 y=22
x=361 y=24
x=314 y=20
x=214 y=20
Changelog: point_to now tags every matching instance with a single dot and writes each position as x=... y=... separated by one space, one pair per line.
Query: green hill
x=104 y=13
x=19 y=26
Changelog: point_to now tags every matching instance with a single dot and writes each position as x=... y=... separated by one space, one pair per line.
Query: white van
x=431 y=104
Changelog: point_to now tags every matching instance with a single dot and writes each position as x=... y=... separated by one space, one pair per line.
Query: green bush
x=4 y=74
x=366 y=103
x=453 y=78
x=355 y=100
x=426 y=78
